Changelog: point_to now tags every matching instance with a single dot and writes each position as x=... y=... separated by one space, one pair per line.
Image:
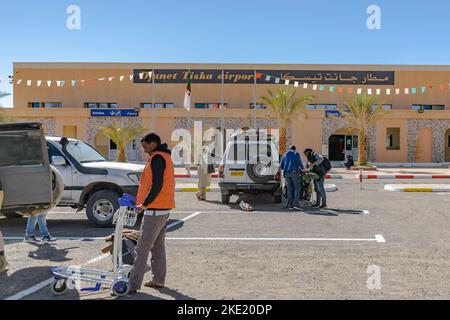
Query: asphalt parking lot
x=219 y=252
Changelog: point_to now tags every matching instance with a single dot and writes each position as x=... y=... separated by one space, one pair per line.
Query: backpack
x=326 y=165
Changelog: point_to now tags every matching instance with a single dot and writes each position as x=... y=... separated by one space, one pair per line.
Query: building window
x=385 y=107
x=146 y=105
x=421 y=107
x=205 y=105
x=321 y=107
x=393 y=139
x=258 y=106
x=101 y=105
x=35 y=105
x=158 y=105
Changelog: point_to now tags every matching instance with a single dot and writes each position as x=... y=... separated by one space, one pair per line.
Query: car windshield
x=83 y=152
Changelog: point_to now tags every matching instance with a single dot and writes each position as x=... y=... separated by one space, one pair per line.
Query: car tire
x=101 y=207
x=225 y=198
x=255 y=166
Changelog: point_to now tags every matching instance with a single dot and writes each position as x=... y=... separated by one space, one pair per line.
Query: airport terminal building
x=74 y=99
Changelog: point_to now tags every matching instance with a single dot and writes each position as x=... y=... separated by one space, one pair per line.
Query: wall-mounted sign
x=332 y=113
x=173 y=76
x=114 y=113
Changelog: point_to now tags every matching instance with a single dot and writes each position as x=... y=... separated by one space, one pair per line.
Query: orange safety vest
x=166 y=198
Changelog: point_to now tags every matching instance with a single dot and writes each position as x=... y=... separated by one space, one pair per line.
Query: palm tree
x=284 y=106
x=362 y=112
x=122 y=135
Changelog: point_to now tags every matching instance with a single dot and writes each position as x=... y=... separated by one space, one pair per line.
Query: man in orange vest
x=155 y=198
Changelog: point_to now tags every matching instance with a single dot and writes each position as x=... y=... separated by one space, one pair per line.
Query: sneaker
x=31 y=239
x=48 y=239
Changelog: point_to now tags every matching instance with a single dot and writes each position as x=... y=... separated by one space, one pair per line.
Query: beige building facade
x=80 y=97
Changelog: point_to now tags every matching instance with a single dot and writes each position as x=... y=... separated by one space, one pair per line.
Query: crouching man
x=156 y=197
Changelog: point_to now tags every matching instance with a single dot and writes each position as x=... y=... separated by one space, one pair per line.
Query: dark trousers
x=294 y=188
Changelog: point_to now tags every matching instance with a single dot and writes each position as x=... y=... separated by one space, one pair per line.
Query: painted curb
x=328 y=188
x=405 y=176
x=216 y=176
x=394 y=188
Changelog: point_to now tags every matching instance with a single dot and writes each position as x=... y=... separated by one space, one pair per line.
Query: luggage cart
x=118 y=280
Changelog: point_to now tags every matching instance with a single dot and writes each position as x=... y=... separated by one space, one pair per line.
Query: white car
x=91 y=181
x=250 y=165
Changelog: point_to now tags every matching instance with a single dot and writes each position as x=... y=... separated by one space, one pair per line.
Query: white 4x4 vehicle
x=90 y=180
x=250 y=165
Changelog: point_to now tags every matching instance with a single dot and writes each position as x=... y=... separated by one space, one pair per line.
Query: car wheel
x=225 y=197
x=258 y=169
x=101 y=207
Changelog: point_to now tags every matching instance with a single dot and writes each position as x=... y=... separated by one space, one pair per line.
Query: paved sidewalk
x=192 y=187
x=418 y=187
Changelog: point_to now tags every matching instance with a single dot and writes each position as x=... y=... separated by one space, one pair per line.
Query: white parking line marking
x=22 y=294
x=378 y=238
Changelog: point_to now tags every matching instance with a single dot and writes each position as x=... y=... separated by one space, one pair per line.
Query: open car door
x=25 y=171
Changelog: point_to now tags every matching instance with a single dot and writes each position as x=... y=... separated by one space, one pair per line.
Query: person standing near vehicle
x=316 y=160
x=40 y=220
x=292 y=165
x=204 y=172
x=3 y=262
x=155 y=198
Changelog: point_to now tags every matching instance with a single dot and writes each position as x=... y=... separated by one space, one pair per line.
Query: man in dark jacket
x=315 y=160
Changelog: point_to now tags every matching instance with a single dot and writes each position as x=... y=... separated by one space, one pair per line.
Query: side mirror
x=58 y=161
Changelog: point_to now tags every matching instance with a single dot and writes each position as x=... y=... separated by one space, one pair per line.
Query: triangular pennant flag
x=406 y=90
x=58 y=83
x=267 y=78
x=49 y=83
x=277 y=80
x=141 y=75
x=359 y=91
x=350 y=90
x=121 y=78
x=315 y=87
x=305 y=86
x=442 y=87
x=413 y=90
x=369 y=91
x=131 y=77
x=39 y=82
x=378 y=92
x=101 y=79
x=424 y=89
x=340 y=90
x=93 y=82
x=63 y=82
x=19 y=81
x=29 y=83
x=82 y=82
x=296 y=84
x=110 y=79
x=331 y=89
x=286 y=82
x=397 y=91
x=388 y=92
x=258 y=75
x=321 y=87
x=74 y=83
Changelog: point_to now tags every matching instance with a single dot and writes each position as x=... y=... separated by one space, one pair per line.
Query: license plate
x=237 y=174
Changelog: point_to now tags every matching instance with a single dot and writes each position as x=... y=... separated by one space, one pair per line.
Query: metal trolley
x=118 y=280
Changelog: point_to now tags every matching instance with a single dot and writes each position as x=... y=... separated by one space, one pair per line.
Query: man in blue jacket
x=292 y=165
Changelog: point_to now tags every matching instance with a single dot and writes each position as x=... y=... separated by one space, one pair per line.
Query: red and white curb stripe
x=328 y=188
x=405 y=176
x=187 y=176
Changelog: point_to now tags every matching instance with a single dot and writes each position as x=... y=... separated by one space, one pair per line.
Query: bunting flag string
x=340 y=89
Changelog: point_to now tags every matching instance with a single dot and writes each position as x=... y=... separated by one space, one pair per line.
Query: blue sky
x=247 y=31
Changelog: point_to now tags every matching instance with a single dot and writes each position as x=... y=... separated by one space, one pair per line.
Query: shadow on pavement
x=50 y=253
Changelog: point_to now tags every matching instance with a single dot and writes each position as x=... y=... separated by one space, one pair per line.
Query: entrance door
x=447 y=146
x=336 y=149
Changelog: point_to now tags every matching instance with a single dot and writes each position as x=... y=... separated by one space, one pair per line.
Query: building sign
x=205 y=76
x=114 y=113
x=332 y=113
